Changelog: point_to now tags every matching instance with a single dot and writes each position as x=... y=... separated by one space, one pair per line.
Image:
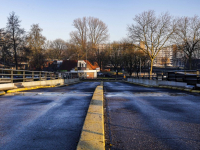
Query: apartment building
x=164 y=57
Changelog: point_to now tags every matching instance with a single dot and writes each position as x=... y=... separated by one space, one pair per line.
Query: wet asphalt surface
x=50 y=118
x=141 y=118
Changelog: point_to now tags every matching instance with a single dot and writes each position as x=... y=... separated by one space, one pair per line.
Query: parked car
x=18 y=77
x=100 y=74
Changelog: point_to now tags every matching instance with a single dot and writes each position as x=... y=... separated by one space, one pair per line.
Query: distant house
x=52 y=65
x=68 y=65
x=48 y=66
x=80 y=68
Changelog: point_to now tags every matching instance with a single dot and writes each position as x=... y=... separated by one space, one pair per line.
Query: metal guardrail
x=101 y=79
x=190 y=77
x=10 y=75
x=153 y=77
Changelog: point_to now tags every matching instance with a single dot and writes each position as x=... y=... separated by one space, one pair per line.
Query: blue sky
x=56 y=16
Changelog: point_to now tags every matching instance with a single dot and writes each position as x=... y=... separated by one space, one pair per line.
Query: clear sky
x=56 y=16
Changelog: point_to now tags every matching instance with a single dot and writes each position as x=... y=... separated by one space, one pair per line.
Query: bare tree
x=1 y=36
x=36 y=41
x=74 y=51
x=48 y=51
x=47 y=45
x=5 y=47
x=16 y=33
x=133 y=57
x=115 y=56
x=58 y=48
x=89 y=33
x=98 y=31
x=79 y=37
x=35 y=38
x=128 y=55
x=154 y=31
x=188 y=36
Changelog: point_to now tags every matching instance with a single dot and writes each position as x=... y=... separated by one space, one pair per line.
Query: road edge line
x=93 y=135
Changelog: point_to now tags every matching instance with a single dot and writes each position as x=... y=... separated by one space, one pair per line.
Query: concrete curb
x=165 y=86
x=92 y=136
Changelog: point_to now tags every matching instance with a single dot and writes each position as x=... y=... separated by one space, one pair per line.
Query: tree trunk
x=15 y=50
x=190 y=62
x=151 y=69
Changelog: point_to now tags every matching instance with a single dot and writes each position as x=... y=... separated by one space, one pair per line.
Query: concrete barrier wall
x=9 y=86
x=156 y=82
x=42 y=83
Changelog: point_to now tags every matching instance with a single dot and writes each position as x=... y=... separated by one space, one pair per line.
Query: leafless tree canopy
x=153 y=31
x=89 y=31
x=188 y=35
x=98 y=31
x=79 y=36
x=36 y=41
x=58 y=48
x=35 y=38
x=16 y=33
x=149 y=33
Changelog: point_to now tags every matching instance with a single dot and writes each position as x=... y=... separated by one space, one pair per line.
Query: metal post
x=11 y=76
x=45 y=76
x=24 y=78
x=40 y=75
x=51 y=76
x=33 y=75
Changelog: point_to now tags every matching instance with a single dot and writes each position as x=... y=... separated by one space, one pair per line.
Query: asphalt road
x=151 y=118
x=49 y=119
